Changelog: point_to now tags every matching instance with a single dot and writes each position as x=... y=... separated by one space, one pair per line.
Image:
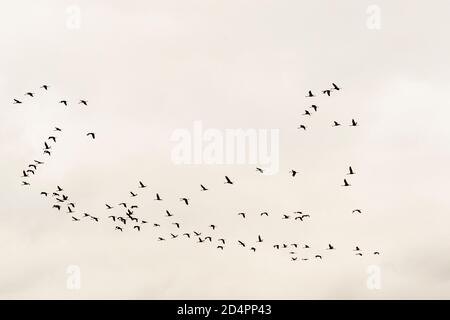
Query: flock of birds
x=124 y=215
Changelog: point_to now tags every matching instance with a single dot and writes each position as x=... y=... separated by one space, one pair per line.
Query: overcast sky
x=150 y=68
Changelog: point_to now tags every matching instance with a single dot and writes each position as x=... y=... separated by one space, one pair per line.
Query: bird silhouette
x=64 y=102
x=118 y=228
x=161 y=239
x=335 y=87
x=228 y=181
x=310 y=94
x=241 y=214
x=350 y=170
x=32 y=166
x=186 y=200
x=253 y=249
x=112 y=217
x=174 y=235
x=356 y=211
x=31 y=94
x=221 y=240
x=376 y=253
x=56 y=206
x=59 y=188
x=285 y=216
x=327 y=92
x=241 y=243
x=220 y=247
x=260 y=239
x=24 y=183
x=44 y=193
x=264 y=214
x=213 y=227
x=359 y=254
x=133 y=194
x=307 y=113
x=294 y=258
x=45 y=87
x=356 y=248
x=92 y=134
x=293 y=172
x=176 y=224
x=317 y=256
x=75 y=219
x=354 y=123
x=141 y=185
x=203 y=188
x=346 y=184
x=58 y=129
x=123 y=204
x=169 y=214
x=83 y=102
x=260 y=170
x=46 y=146
x=314 y=107
x=158 y=197
x=336 y=124
x=302 y=127
x=330 y=247
x=108 y=207
x=187 y=235
x=276 y=246
x=137 y=227
x=94 y=218
x=38 y=162
x=52 y=138
x=17 y=101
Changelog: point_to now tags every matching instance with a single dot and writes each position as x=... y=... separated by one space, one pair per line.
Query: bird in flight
x=253 y=249
x=260 y=170
x=45 y=87
x=59 y=188
x=108 y=206
x=75 y=219
x=220 y=247
x=186 y=200
x=302 y=217
x=133 y=194
x=314 y=107
x=285 y=216
x=64 y=102
x=376 y=253
x=24 y=183
x=335 y=87
x=241 y=243
x=38 y=162
x=302 y=127
x=264 y=214
x=336 y=124
x=318 y=256
x=241 y=214
x=57 y=129
x=31 y=94
x=330 y=247
x=92 y=134
x=213 y=227
x=228 y=180
x=293 y=172
x=307 y=113
x=158 y=197
x=123 y=204
x=203 y=188
x=141 y=185
x=310 y=94
x=169 y=214
x=294 y=258
x=137 y=227
x=83 y=102
x=176 y=224
x=346 y=184
x=327 y=92
x=52 y=138
x=350 y=170
x=356 y=211
x=44 y=193
x=119 y=228
x=260 y=239
x=221 y=240
x=112 y=217
x=354 y=123
x=17 y=101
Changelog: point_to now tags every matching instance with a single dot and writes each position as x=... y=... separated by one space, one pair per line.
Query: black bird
x=228 y=180
x=32 y=166
x=30 y=171
x=137 y=227
x=123 y=204
x=156 y=225
x=220 y=247
x=94 y=218
x=31 y=94
x=241 y=214
x=302 y=127
x=72 y=205
x=122 y=220
x=52 y=138
x=293 y=172
x=47 y=147
x=354 y=123
x=277 y=246
x=213 y=227
x=208 y=238
x=350 y=170
x=186 y=200
x=356 y=248
x=55 y=194
x=59 y=188
x=253 y=249
x=200 y=240
x=57 y=207
x=260 y=239
x=187 y=235
x=359 y=254
x=24 y=174
x=318 y=256
x=307 y=113
x=47 y=152
x=108 y=206
x=314 y=107
x=92 y=134
x=302 y=217
x=197 y=233
x=17 y=101
x=141 y=185
x=260 y=170
x=45 y=87
x=330 y=247
x=169 y=214
x=294 y=245
x=161 y=239
x=38 y=162
x=58 y=129
x=85 y=215
x=176 y=224
x=44 y=193
x=376 y=253
x=112 y=217
x=327 y=92
x=294 y=258
x=336 y=124
x=357 y=211
x=174 y=235
x=335 y=87
x=64 y=102
x=83 y=102
x=158 y=197
x=134 y=207
x=221 y=240
x=24 y=183
x=285 y=216
x=70 y=209
x=346 y=184
x=310 y=94
x=119 y=228
x=241 y=243
x=306 y=246
x=75 y=219
x=203 y=188
x=264 y=214
x=133 y=194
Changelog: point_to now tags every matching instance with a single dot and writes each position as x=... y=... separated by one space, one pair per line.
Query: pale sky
x=150 y=68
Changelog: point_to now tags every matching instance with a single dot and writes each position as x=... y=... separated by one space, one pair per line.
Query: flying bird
x=133 y=194
x=354 y=123
x=141 y=185
x=169 y=214
x=108 y=206
x=314 y=107
x=330 y=247
x=203 y=188
x=213 y=227
x=260 y=239
x=336 y=124
x=241 y=243
x=241 y=214
x=176 y=224
x=45 y=87
x=75 y=219
x=137 y=227
x=24 y=183
x=17 y=101
x=260 y=170
x=31 y=94
x=253 y=249
x=302 y=127
x=92 y=134
x=158 y=197
x=119 y=228
x=293 y=172
x=52 y=138
x=327 y=92
x=83 y=102
x=335 y=87
x=350 y=170
x=346 y=184
x=228 y=180
x=264 y=214
x=44 y=193
x=112 y=217
x=357 y=211
x=58 y=129
x=64 y=102
x=310 y=94
x=186 y=200
x=307 y=113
